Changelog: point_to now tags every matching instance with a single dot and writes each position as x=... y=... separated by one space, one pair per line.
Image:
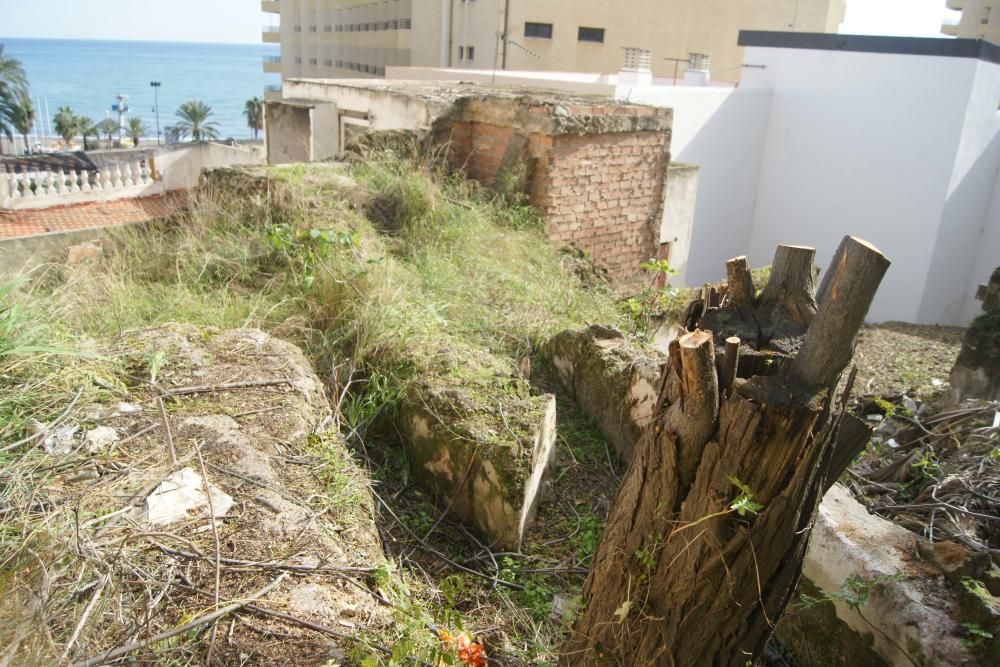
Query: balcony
x=272 y=64
x=955 y=4
x=272 y=6
x=272 y=34
x=949 y=29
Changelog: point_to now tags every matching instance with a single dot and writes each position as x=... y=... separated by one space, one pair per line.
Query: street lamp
x=156 y=97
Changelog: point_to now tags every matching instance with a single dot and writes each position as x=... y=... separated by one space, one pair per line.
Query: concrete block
x=611 y=378
x=481 y=442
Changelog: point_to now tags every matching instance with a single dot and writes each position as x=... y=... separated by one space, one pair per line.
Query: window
x=461 y=53
x=328 y=28
x=298 y=61
x=327 y=62
x=404 y=24
x=394 y=24
x=298 y=28
x=471 y=52
x=591 y=35
x=340 y=27
x=340 y=64
x=313 y=61
x=312 y=28
x=539 y=30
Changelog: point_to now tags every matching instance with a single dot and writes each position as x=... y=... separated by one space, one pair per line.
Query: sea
x=88 y=75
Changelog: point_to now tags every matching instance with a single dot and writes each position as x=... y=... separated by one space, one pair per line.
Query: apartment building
x=980 y=19
x=360 y=38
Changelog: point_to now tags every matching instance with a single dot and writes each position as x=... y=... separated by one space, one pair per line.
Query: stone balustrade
x=42 y=189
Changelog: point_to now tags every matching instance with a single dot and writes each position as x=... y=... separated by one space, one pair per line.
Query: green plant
x=975 y=635
x=857 y=589
x=155 y=361
x=253 y=110
x=743 y=504
x=194 y=121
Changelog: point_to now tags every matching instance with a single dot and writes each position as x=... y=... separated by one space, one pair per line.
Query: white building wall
x=863 y=144
x=948 y=291
x=987 y=256
x=722 y=131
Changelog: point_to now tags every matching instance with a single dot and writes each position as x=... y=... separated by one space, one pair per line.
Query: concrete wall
x=571 y=82
x=181 y=167
x=324 y=119
x=865 y=144
x=679 y=205
x=721 y=130
x=987 y=255
x=288 y=132
x=385 y=109
x=945 y=295
x=20 y=256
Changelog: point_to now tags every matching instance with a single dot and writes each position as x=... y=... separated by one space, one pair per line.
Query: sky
x=240 y=21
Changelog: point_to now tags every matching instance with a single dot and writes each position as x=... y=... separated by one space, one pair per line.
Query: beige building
x=345 y=38
x=980 y=19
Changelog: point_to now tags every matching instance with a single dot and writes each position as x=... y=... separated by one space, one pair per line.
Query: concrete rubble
x=482 y=442
x=182 y=496
x=610 y=378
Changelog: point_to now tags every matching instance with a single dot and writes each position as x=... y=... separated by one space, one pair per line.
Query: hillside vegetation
x=375 y=268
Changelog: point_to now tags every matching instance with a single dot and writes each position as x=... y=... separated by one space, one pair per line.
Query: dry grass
x=294 y=252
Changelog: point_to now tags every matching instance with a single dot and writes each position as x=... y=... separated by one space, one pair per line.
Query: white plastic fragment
x=182 y=495
x=61 y=441
x=99 y=439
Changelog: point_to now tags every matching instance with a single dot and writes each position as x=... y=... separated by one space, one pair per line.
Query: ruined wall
x=288 y=133
x=596 y=170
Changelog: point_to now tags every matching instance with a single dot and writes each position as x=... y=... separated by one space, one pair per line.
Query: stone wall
x=596 y=170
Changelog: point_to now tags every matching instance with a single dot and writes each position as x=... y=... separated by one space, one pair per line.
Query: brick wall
x=604 y=193
x=597 y=172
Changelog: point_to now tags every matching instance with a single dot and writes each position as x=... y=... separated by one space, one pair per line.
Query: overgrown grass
x=374 y=279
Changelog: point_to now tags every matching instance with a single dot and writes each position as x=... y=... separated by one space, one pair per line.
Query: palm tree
x=67 y=124
x=22 y=117
x=254 y=112
x=13 y=87
x=88 y=128
x=109 y=129
x=137 y=129
x=194 y=121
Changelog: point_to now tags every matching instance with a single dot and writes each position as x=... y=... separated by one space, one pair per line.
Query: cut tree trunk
x=704 y=542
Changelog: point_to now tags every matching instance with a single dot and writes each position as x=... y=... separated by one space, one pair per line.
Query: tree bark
x=792 y=283
x=741 y=291
x=705 y=539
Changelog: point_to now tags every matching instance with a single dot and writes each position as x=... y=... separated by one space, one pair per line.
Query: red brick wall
x=604 y=193
x=600 y=192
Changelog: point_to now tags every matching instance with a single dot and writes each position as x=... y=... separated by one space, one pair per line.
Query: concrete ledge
x=22 y=255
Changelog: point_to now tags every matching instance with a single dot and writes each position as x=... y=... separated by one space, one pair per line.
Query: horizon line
x=139 y=41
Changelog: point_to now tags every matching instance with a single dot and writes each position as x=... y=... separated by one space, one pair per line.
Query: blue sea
x=89 y=75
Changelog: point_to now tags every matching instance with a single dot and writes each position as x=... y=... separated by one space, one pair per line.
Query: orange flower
x=469 y=652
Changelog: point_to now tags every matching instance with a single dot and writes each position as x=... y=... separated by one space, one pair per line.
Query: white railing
x=44 y=188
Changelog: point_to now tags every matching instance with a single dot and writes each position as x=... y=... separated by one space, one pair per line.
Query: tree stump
x=704 y=542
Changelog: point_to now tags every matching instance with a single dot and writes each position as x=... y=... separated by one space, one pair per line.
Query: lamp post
x=156 y=97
